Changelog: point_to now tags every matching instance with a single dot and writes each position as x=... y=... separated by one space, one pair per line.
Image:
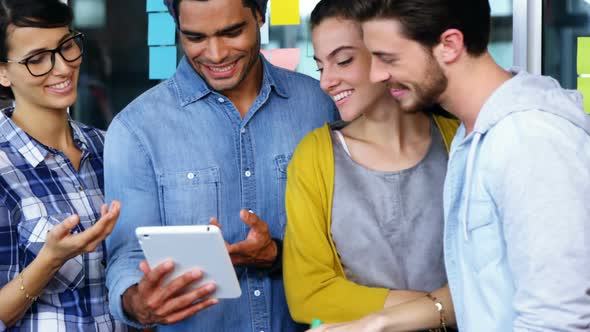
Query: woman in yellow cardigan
x=364 y=197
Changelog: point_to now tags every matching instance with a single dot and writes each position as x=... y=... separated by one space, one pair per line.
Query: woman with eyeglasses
x=53 y=219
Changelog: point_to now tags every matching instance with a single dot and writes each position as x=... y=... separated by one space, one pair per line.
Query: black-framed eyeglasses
x=41 y=63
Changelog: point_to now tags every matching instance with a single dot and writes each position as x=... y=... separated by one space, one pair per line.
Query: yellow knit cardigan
x=315 y=282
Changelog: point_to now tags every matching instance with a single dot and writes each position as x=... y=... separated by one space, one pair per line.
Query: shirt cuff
x=277 y=266
x=116 y=300
x=2 y=326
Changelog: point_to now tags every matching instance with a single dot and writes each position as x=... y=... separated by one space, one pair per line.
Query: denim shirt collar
x=191 y=87
x=32 y=150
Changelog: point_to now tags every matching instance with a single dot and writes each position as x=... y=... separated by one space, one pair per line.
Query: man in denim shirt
x=212 y=141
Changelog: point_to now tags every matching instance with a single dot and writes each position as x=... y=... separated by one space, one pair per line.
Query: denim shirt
x=181 y=154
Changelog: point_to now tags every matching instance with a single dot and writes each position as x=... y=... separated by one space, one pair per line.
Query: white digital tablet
x=195 y=246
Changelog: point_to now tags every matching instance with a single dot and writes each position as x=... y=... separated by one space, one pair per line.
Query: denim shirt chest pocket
x=32 y=236
x=483 y=246
x=190 y=197
x=281 y=164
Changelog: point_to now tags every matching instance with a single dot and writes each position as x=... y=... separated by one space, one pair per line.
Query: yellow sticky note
x=284 y=12
x=583 y=55
x=584 y=88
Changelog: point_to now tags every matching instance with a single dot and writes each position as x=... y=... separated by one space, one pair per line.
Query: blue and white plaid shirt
x=39 y=188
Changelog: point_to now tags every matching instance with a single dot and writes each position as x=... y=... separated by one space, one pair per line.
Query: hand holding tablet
x=176 y=286
x=190 y=268
x=191 y=247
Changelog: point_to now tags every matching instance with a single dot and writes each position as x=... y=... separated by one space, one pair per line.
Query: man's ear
x=4 y=81
x=259 y=18
x=451 y=46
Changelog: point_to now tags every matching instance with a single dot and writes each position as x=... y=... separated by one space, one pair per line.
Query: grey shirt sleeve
x=543 y=193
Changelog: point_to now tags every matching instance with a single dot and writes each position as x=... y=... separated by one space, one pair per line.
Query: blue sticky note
x=162 y=62
x=155 y=6
x=161 y=29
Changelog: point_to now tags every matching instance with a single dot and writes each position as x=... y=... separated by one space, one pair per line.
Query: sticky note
x=287 y=58
x=584 y=88
x=162 y=62
x=155 y=6
x=266 y=53
x=284 y=12
x=583 y=55
x=161 y=29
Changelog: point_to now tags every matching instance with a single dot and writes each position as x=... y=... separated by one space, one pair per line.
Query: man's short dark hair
x=425 y=20
x=254 y=5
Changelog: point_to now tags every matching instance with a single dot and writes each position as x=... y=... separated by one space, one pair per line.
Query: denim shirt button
x=190 y=176
x=243 y=130
x=248 y=173
x=257 y=293
x=221 y=100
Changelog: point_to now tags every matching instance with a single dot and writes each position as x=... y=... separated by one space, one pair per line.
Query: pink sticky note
x=266 y=54
x=287 y=58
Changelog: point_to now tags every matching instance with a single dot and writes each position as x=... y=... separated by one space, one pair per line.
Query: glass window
x=563 y=22
x=115 y=66
x=296 y=36
x=501 y=47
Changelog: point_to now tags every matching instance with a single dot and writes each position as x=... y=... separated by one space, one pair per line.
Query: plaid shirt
x=39 y=188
